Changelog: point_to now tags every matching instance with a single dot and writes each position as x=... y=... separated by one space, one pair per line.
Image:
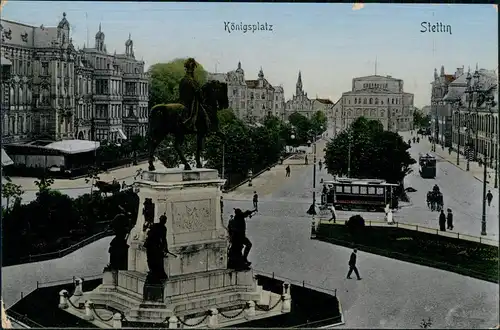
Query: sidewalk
x=270 y=181
x=474 y=169
x=28 y=184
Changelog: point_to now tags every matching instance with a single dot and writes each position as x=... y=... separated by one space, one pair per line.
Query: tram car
x=368 y=194
x=427 y=166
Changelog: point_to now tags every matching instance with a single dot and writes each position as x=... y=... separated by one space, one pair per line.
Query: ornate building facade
x=463 y=118
x=377 y=98
x=302 y=104
x=57 y=92
x=251 y=100
x=441 y=116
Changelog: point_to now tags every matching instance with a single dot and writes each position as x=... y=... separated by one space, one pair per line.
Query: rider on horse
x=190 y=95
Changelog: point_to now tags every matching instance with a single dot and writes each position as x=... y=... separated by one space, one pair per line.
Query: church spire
x=298 y=86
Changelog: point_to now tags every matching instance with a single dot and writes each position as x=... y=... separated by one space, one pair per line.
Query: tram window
x=380 y=191
x=338 y=189
x=347 y=189
x=371 y=190
x=355 y=189
x=363 y=190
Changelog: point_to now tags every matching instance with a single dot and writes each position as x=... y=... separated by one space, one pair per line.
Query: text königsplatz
x=232 y=27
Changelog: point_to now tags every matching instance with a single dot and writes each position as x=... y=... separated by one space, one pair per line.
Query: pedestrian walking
x=306 y=160
x=320 y=164
x=334 y=214
x=124 y=185
x=287 y=171
x=389 y=217
x=255 y=201
x=442 y=221
x=489 y=197
x=352 y=265
x=449 y=220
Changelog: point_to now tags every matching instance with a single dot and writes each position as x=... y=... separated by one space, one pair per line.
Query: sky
x=329 y=43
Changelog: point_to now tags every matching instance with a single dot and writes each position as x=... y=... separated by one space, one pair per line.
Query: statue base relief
x=199 y=285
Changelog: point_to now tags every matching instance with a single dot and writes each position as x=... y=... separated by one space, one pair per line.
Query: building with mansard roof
x=251 y=100
x=53 y=91
x=377 y=98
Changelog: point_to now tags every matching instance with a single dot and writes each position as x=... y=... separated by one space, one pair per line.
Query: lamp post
x=349 y=137
x=223 y=159
x=457 y=112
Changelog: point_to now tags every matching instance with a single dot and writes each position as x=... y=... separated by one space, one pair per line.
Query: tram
x=427 y=166
x=368 y=194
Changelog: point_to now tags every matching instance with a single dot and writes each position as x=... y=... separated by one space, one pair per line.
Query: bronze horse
x=166 y=119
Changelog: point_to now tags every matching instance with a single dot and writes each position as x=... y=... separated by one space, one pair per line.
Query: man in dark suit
x=352 y=265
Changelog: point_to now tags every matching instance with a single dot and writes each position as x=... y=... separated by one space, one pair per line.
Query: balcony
x=136 y=76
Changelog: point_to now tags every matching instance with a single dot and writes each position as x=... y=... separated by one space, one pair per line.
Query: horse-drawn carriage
x=108 y=187
x=435 y=199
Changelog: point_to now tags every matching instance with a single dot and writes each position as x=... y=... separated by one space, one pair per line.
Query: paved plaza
x=392 y=293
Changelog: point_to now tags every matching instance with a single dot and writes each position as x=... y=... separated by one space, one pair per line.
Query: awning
x=5 y=61
x=6 y=159
x=122 y=135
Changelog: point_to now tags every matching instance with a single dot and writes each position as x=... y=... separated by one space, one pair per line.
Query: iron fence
x=422 y=229
x=65 y=251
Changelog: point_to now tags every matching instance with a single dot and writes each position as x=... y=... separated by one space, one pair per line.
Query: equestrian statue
x=195 y=114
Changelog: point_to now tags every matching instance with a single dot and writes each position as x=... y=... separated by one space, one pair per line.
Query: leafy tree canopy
x=370 y=152
x=247 y=146
x=319 y=122
x=420 y=120
x=301 y=127
x=165 y=79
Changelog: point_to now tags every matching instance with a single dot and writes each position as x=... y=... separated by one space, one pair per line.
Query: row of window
x=105 y=111
x=102 y=63
x=115 y=87
x=485 y=123
x=253 y=95
x=360 y=190
x=371 y=100
x=373 y=85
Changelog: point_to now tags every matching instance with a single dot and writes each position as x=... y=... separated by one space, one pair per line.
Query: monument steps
x=187 y=206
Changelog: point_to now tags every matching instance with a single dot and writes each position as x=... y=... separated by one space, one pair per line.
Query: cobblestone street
x=392 y=294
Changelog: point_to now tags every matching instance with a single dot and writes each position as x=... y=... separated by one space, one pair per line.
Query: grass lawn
x=459 y=256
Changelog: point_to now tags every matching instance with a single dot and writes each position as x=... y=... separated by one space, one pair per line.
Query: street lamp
x=314 y=166
x=349 y=138
x=457 y=113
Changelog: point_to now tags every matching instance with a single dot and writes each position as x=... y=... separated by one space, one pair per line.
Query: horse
x=106 y=187
x=165 y=119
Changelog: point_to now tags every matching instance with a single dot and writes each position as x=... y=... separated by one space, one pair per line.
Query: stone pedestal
x=198 y=280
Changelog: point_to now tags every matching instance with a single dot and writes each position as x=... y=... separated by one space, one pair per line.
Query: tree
x=301 y=126
x=238 y=152
x=137 y=144
x=43 y=183
x=369 y=152
x=165 y=79
x=169 y=157
x=319 y=122
x=11 y=191
x=420 y=120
